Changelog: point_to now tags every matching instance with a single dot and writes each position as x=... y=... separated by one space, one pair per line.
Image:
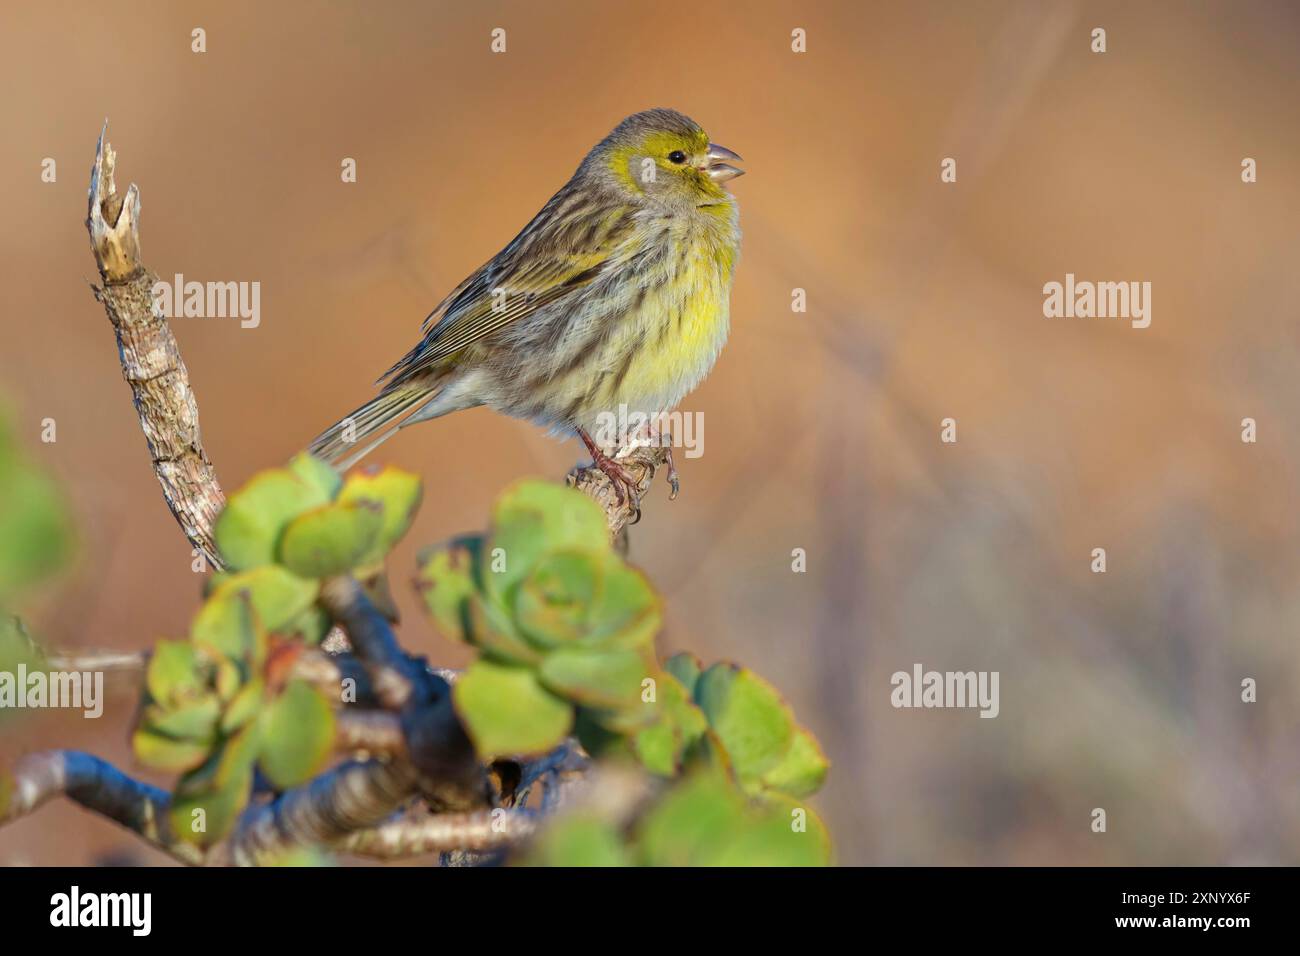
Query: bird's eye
x=677 y=156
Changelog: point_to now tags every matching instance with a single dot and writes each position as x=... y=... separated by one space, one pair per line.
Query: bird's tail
x=350 y=439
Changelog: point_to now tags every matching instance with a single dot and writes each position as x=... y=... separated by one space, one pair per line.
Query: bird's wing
x=554 y=257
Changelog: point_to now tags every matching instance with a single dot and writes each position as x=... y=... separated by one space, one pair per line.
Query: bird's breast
x=638 y=339
x=677 y=325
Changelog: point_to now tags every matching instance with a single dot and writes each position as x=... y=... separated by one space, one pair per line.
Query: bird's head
x=665 y=157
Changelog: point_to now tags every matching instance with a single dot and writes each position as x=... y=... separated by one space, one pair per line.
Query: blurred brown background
x=1119 y=690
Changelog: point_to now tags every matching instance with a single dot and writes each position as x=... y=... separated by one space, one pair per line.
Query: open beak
x=717 y=163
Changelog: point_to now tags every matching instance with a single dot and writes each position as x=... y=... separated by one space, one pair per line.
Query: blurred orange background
x=1118 y=690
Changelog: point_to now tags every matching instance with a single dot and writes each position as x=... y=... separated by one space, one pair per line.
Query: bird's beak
x=716 y=165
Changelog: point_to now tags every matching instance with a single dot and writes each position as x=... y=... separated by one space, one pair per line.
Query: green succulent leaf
x=592 y=729
x=227 y=624
x=777 y=833
x=209 y=799
x=276 y=594
x=599 y=679
x=244 y=706
x=686 y=668
x=316 y=474
x=311 y=625
x=692 y=824
x=232 y=760
x=658 y=748
x=586 y=597
x=165 y=753
x=297 y=735
x=174 y=672
x=331 y=539
x=248 y=530
x=663 y=746
x=194 y=720
x=533 y=518
x=801 y=771
x=229 y=678
x=506 y=711
x=625 y=613
x=579 y=841
x=494 y=634
x=398 y=493
x=748 y=715
x=704 y=821
x=447 y=580
x=237 y=756
x=214 y=811
x=553 y=602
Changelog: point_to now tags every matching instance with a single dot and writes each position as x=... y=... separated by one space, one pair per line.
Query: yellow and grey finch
x=614 y=297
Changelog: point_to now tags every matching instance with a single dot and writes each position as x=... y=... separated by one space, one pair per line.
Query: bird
x=615 y=296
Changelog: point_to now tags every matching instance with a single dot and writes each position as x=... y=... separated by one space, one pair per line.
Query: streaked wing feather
x=547 y=269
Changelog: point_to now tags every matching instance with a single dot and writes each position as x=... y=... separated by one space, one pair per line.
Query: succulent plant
x=222 y=703
x=566 y=633
x=768 y=752
x=702 y=821
x=564 y=630
x=565 y=627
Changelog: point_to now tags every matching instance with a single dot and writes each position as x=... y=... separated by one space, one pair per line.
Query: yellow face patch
x=628 y=162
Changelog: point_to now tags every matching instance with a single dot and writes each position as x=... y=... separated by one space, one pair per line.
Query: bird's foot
x=625 y=485
x=664 y=440
x=673 y=481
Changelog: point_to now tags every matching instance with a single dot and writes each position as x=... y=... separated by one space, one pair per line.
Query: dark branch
x=97 y=785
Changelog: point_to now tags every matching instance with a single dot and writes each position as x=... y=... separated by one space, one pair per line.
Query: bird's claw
x=625 y=491
x=673 y=481
x=625 y=486
x=664 y=440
